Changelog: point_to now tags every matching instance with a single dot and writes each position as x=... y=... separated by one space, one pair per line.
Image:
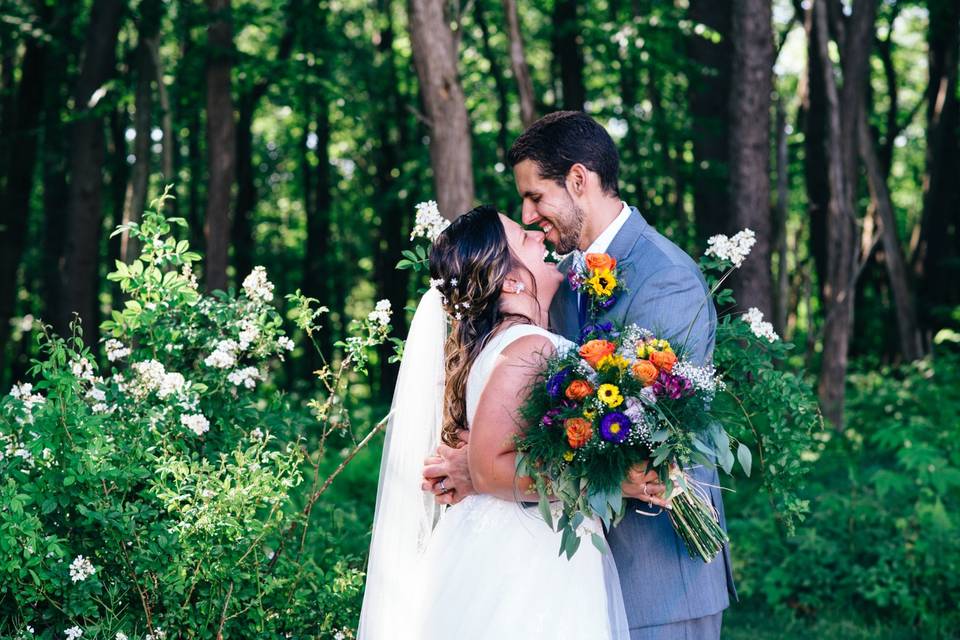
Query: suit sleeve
x=674 y=304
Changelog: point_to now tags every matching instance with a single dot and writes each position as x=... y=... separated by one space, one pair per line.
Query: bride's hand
x=447 y=474
x=645 y=486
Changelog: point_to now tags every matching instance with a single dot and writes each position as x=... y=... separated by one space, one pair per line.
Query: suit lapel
x=563 y=310
x=622 y=248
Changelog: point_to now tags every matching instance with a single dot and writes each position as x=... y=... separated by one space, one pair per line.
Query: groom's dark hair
x=559 y=140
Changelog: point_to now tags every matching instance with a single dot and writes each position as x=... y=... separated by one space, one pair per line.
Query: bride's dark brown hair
x=473 y=259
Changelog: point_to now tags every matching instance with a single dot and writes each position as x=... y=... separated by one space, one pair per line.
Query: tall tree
x=435 y=56
x=518 y=62
x=82 y=242
x=751 y=84
x=937 y=241
x=146 y=73
x=250 y=97
x=709 y=95
x=22 y=125
x=843 y=108
x=221 y=142
x=499 y=81
x=568 y=54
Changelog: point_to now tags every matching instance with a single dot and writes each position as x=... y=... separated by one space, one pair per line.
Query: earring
x=519 y=288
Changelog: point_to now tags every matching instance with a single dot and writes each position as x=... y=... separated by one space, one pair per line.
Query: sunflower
x=610 y=395
x=602 y=282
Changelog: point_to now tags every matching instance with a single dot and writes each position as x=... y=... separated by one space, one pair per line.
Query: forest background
x=300 y=135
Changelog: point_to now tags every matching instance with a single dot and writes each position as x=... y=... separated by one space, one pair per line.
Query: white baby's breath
x=760 y=328
x=428 y=223
x=734 y=249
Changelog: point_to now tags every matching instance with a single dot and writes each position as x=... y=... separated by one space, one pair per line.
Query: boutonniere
x=595 y=276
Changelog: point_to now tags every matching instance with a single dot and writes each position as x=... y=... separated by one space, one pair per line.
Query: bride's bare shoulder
x=532 y=349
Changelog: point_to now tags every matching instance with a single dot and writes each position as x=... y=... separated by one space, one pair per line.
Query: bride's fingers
x=432 y=460
x=435 y=471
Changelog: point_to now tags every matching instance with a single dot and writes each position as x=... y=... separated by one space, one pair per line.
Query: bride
x=488 y=566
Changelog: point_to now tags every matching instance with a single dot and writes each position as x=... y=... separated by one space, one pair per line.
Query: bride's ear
x=512 y=285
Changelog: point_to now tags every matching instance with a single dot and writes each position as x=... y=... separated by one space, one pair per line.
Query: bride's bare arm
x=492 y=453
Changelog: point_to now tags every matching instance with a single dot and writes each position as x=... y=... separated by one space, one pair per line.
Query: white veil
x=405 y=515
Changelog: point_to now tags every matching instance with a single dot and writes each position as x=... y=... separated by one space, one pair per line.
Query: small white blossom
x=116 y=350
x=256 y=434
x=760 y=328
x=195 y=422
x=256 y=285
x=81 y=569
x=224 y=355
x=436 y=283
x=82 y=369
x=24 y=393
x=703 y=378
x=171 y=383
x=734 y=249
x=249 y=331
x=428 y=222
x=30 y=629
x=285 y=343
x=73 y=633
x=158 y=634
x=120 y=636
x=246 y=377
x=381 y=314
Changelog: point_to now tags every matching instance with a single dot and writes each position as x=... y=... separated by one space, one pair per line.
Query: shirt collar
x=602 y=243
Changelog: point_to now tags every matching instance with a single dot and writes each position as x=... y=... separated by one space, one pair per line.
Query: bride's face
x=529 y=247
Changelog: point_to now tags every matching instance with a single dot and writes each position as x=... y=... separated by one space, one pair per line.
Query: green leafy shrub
x=164 y=495
x=880 y=539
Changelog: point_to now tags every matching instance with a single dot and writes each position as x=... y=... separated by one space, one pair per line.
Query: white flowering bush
x=161 y=492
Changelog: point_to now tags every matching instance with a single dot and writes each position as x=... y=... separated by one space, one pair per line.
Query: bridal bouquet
x=620 y=399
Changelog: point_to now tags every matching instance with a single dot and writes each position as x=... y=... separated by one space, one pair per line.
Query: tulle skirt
x=491 y=570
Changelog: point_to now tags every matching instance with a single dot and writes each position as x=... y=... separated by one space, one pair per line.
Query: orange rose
x=598 y=261
x=645 y=371
x=664 y=360
x=578 y=432
x=579 y=389
x=595 y=350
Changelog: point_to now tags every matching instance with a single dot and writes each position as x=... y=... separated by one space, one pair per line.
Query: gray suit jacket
x=661 y=583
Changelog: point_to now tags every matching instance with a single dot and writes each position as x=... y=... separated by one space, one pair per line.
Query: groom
x=565 y=166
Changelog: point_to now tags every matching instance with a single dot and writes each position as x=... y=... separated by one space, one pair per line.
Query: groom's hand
x=447 y=474
x=645 y=486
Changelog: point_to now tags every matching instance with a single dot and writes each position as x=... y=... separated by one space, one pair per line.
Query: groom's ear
x=577 y=177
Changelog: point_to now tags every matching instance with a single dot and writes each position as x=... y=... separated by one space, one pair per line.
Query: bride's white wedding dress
x=492 y=570
x=487 y=569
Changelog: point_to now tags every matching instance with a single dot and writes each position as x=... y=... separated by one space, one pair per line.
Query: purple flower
x=671 y=386
x=575 y=280
x=557 y=382
x=598 y=330
x=615 y=427
x=606 y=304
x=549 y=417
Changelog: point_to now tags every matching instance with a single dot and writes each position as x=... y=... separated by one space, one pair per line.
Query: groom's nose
x=528 y=212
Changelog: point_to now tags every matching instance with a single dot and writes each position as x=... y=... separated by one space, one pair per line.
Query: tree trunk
x=18 y=188
x=813 y=121
x=751 y=84
x=450 y=147
x=136 y=193
x=496 y=71
x=518 y=62
x=935 y=249
x=81 y=253
x=709 y=96
x=782 y=289
x=841 y=163
x=910 y=341
x=221 y=143
x=568 y=54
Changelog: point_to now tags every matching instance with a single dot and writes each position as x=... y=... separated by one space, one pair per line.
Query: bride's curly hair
x=472 y=259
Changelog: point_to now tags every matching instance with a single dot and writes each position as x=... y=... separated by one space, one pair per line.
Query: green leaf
x=744 y=457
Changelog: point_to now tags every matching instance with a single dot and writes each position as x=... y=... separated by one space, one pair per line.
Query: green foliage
x=880 y=537
x=175 y=471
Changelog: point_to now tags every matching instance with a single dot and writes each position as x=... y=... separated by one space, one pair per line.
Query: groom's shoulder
x=656 y=253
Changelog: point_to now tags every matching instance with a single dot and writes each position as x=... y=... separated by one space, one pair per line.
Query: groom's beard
x=569 y=229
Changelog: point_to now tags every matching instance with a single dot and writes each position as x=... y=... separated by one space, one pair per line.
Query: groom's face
x=549 y=206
